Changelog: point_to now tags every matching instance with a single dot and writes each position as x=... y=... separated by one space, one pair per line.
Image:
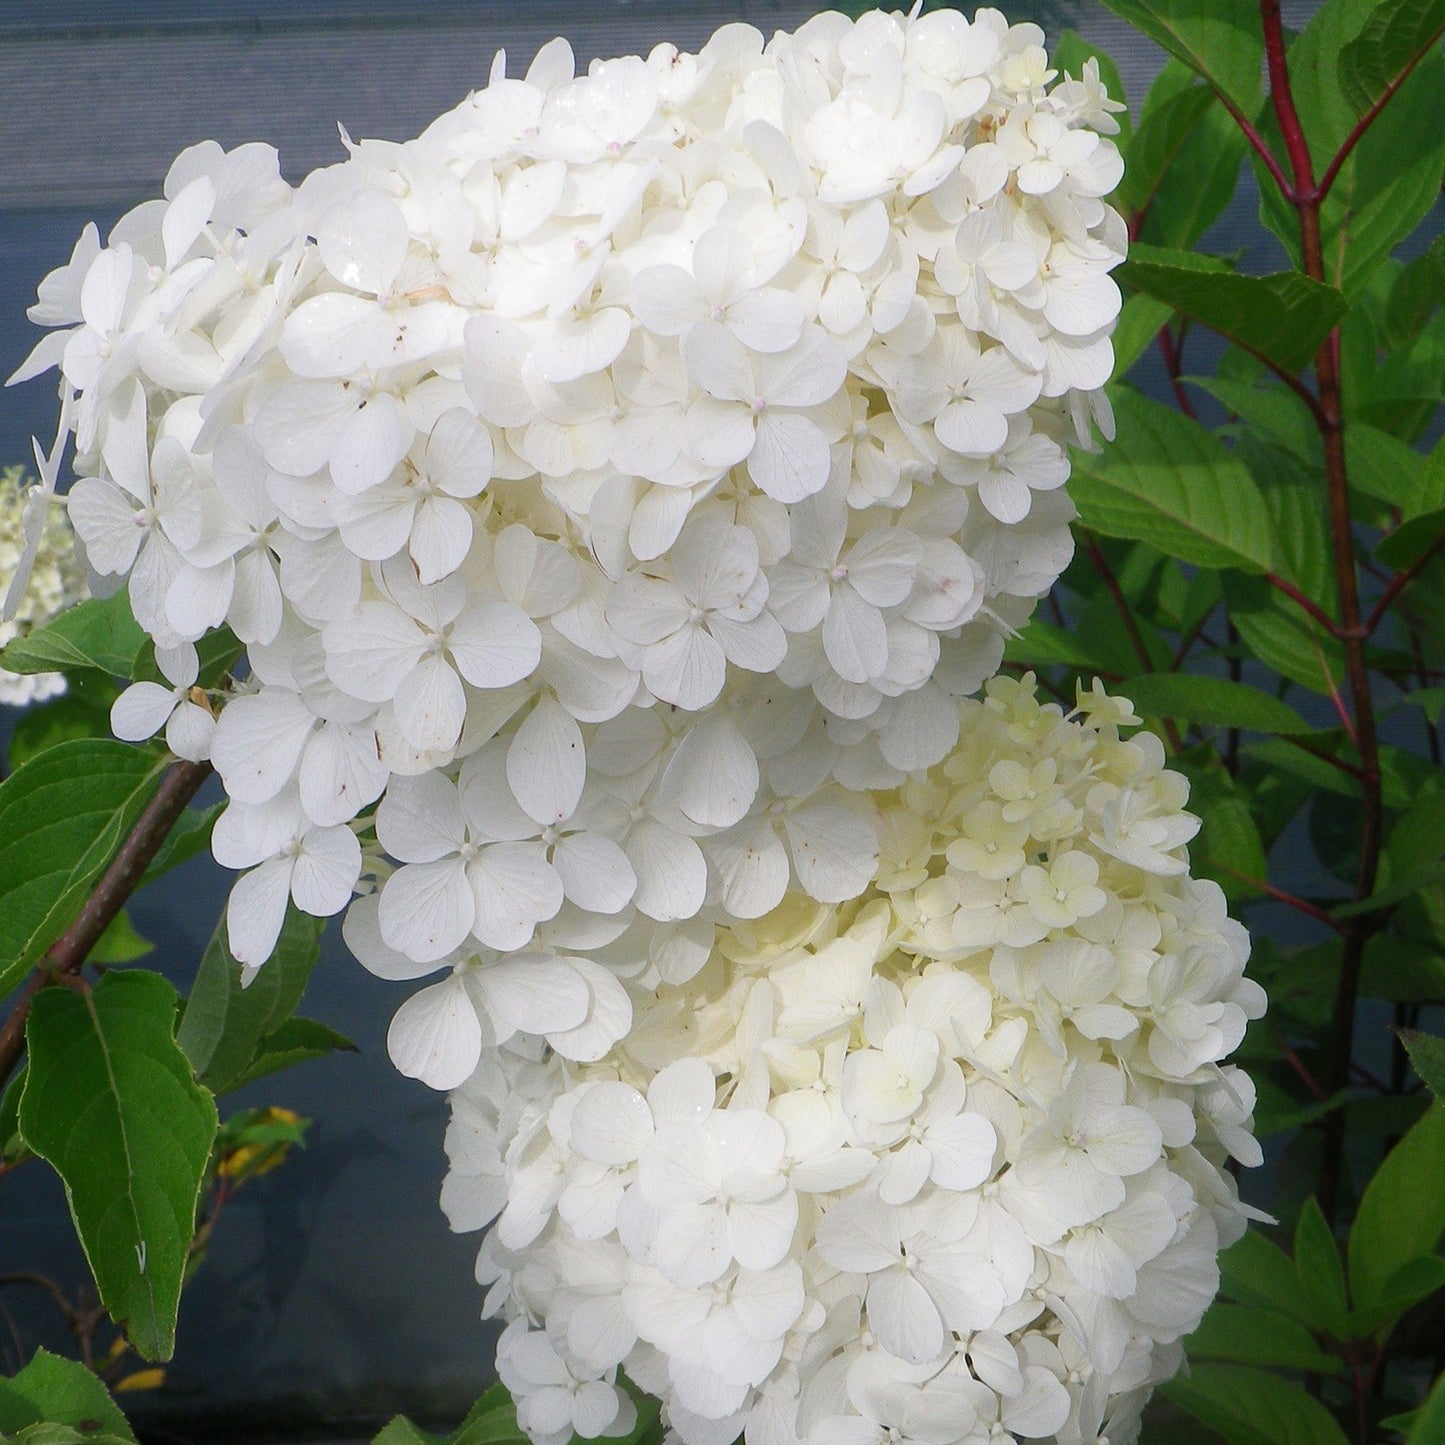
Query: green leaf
x=100 y=634
x=1248 y=1335
x=1417 y=841
x=1253 y=1407
x=1042 y=644
x=1414 y=1281
x=120 y=943
x=1271 y=407
x=49 y=1433
x=1416 y=293
x=1227 y=847
x=1281 y=318
x=1402 y=970
x=62 y=815
x=1256 y=1272
x=83 y=711
x=1139 y=323
x=1402 y=1213
x=294 y=1042
x=1221 y=41
x=1299 y=517
x=1395 y=36
x=1321 y=1276
x=1427 y=1058
x=59 y=1391
x=12 y=1145
x=491 y=1421
x=1169 y=482
x=1282 y=635
x=1412 y=541
x=1390 y=181
x=1153 y=150
x=1215 y=701
x=1384 y=467
x=1428 y=1426
x=225 y=1026
x=190 y=835
x=110 y=1102
x=400 y=1431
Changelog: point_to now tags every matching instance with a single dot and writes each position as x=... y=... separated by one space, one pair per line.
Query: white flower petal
x=435 y=1035
x=547 y=763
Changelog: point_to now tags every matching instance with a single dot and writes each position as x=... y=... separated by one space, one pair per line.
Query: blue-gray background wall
x=334 y=1293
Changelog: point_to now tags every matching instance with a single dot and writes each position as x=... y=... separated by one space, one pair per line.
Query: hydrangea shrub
x=619 y=492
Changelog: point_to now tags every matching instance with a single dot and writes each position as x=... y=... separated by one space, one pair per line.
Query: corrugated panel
x=95 y=112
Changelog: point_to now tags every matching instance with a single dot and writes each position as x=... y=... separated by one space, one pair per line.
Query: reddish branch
x=67 y=955
x=1399 y=582
x=1306 y=198
x=1131 y=626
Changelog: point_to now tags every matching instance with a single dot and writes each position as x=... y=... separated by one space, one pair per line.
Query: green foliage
x=1167 y=481
x=110 y=1102
x=99 y=635
x=232 y=1034
x=1219 y=40
x=1216 y=701
x=1263 y=574
x=60 y=1394
x=1395 y=36
x=1282 y=319
x=1402 y=1213
x=82 y=711
x=1427 y=1055
x=493 y=1421
x=62 y=815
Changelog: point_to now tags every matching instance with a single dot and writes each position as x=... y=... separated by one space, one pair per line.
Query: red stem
x=1126 y=615
x=1173 y=364
x=1295 y=595
x=1398 y=583
x=1247 y=129
x=1331 y=423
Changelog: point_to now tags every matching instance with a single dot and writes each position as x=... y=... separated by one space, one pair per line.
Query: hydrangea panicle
x=870 y=1174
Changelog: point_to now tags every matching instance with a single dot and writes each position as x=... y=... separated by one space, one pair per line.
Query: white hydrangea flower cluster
x=55 y=580
x=606 y=484
x=942 y=1164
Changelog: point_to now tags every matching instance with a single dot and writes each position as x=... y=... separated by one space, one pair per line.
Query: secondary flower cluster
x=55 y=581
x=943 y=1164
x=604 y=483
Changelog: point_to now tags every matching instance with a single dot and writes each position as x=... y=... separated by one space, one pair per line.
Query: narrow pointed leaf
x=1248 y=1335
x=225 y=1026
x=109 y=1100
x=1402 y=1213
x=294 y=1042
x=1282 y=318
x=1215 y=701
